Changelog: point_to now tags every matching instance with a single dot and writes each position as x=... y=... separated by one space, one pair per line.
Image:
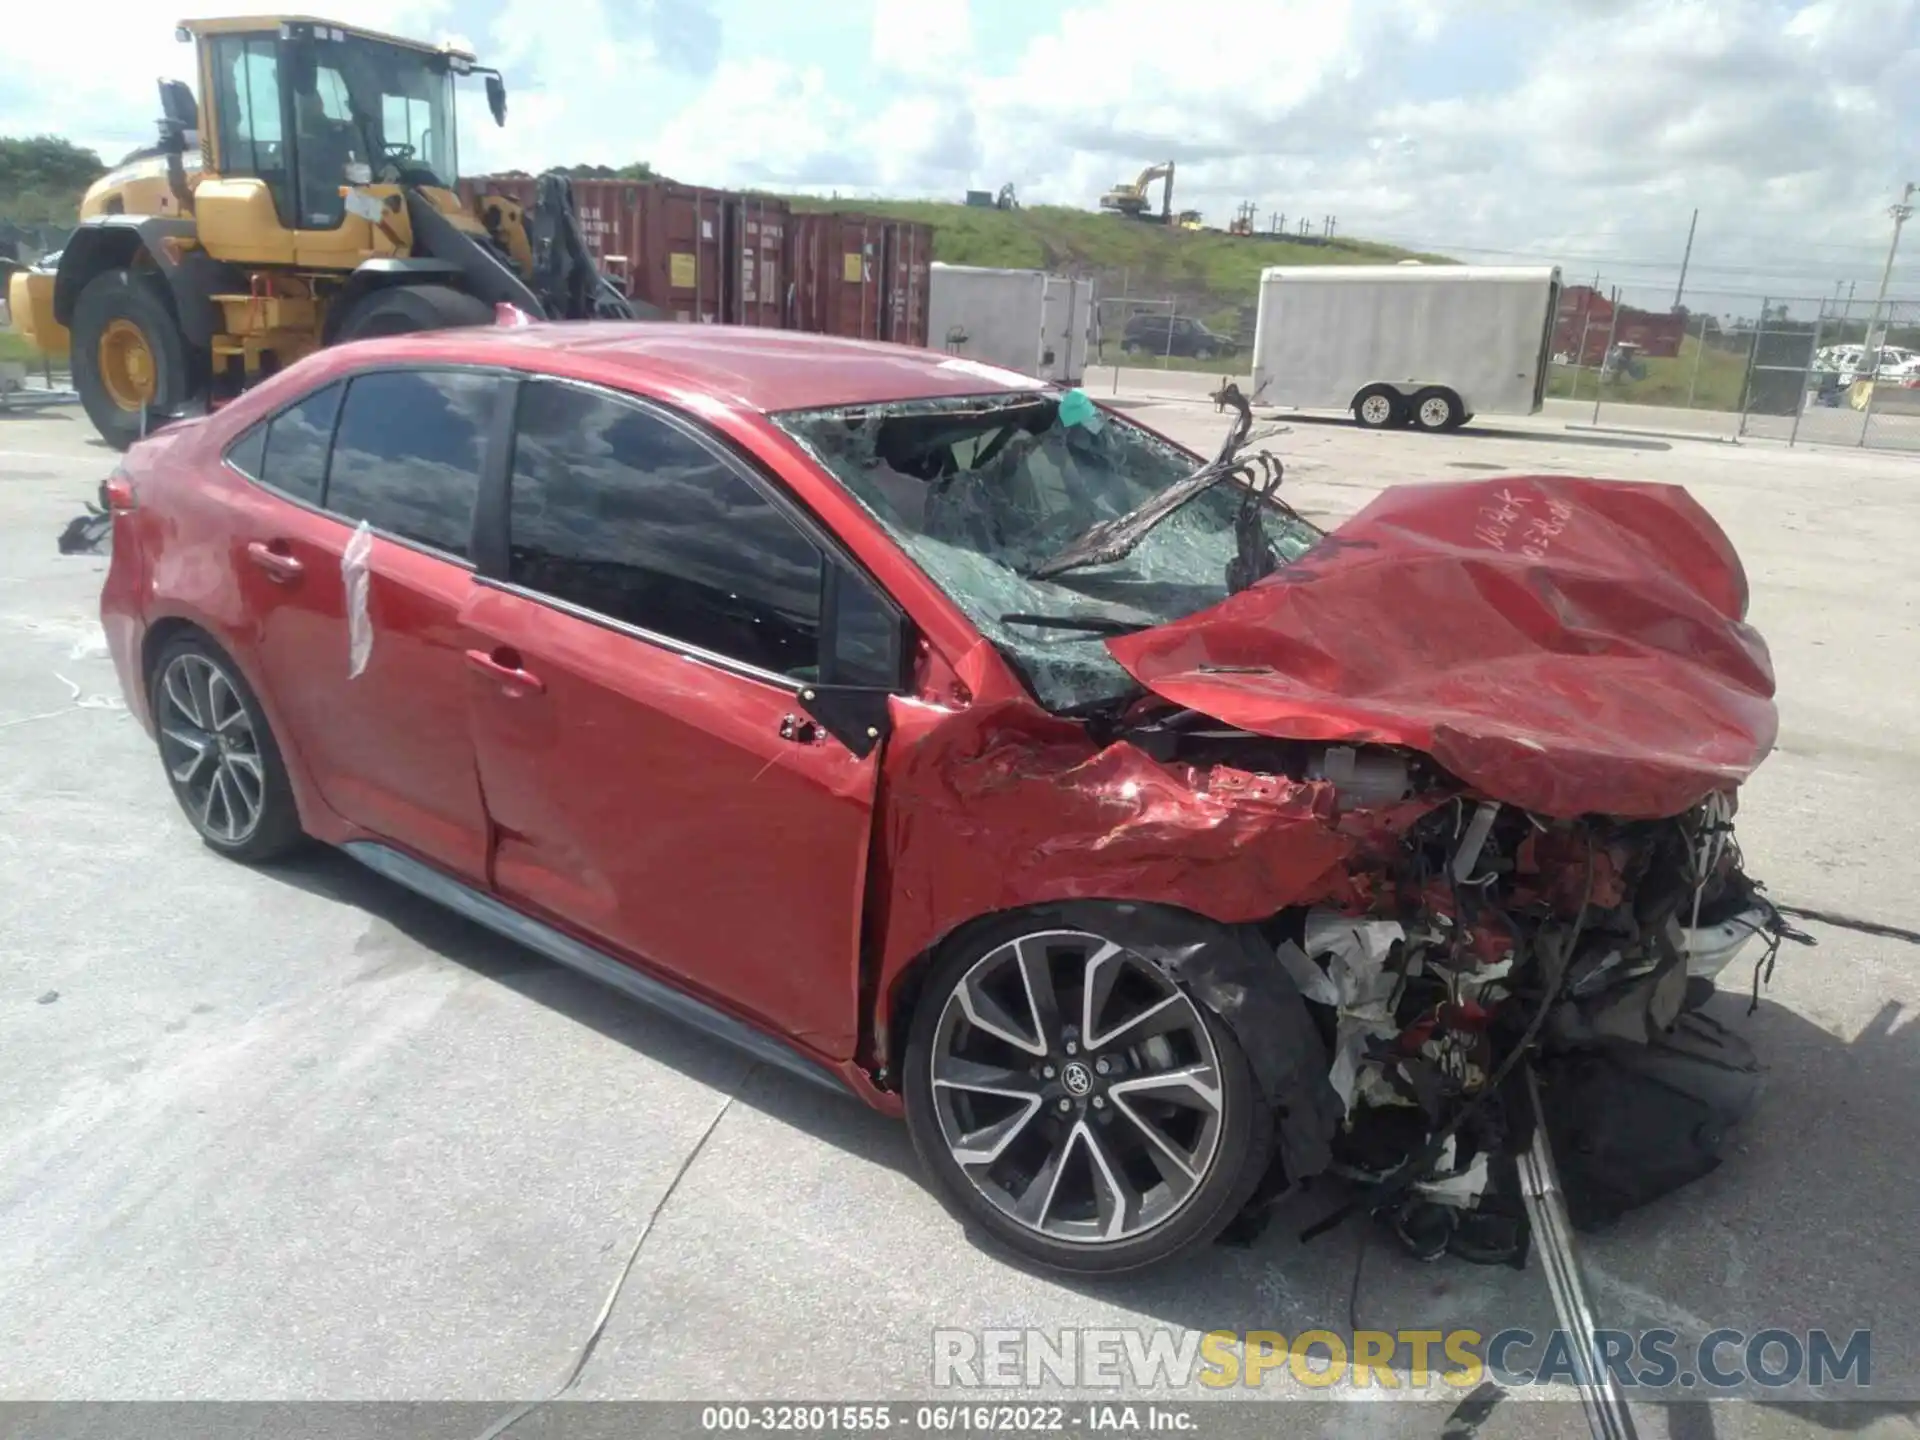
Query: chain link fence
x=1169 y=332
x=1800 y=370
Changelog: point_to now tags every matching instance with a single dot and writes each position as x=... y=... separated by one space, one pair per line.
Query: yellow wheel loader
x=308 y=198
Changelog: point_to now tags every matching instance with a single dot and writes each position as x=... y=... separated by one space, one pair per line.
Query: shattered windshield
x=982 y=490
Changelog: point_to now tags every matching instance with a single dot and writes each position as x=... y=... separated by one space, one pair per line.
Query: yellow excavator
x=1131 y=200
x=308 y=197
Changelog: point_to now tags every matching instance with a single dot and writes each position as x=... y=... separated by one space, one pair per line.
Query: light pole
x=1901 y=211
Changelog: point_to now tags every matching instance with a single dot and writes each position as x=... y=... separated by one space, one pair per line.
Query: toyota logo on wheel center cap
x=1077 y=1078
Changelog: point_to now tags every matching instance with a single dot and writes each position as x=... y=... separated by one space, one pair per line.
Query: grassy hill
x=1213 y=275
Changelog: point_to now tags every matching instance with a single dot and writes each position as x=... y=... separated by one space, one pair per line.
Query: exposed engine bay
x=1468 y=936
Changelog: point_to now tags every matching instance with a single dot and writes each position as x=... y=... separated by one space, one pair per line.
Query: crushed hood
x=1568 y=646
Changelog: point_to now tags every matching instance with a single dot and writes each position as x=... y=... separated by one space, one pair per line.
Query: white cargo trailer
x=1025 y=320
x=1424 y=345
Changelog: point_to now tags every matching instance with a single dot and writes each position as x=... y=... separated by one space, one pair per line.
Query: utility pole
x=1901 y=211
x=1680 y=289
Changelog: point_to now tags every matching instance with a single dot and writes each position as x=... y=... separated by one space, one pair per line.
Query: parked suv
x=1175 y=335
x=947 y=738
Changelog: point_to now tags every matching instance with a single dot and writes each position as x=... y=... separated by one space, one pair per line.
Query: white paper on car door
x=353 y=573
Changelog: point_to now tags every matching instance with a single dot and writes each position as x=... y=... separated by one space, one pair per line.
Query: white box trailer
x=1024 y=320
x=1410 y=344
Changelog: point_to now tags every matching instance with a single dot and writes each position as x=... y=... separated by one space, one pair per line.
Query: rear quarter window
x=288 y=451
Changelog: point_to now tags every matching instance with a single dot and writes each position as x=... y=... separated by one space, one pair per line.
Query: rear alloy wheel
x=1380 y=407
x=1077 y=1104
x=219 y=755
x=1438 y=408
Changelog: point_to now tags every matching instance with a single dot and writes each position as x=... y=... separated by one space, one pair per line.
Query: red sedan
x=958 y=741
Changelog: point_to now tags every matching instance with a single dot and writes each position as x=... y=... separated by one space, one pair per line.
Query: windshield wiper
x=1112 y=540
x=1092 y=624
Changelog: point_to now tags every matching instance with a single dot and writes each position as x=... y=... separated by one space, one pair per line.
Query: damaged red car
x=960 y=742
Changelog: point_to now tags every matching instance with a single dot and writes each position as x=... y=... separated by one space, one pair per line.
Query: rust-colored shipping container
x=756 y=231
x=860 y=276
x=1584 y=311
x=715 y=257
x=706 y=256
x=712 y=257
x=909 y=271
x=682 y=267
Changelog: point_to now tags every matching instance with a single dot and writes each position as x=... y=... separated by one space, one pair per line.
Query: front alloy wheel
x=1083 y=1106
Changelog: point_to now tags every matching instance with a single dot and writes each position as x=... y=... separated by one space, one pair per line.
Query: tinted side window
x=295 y=461
x=407 y=455
x=615 y=510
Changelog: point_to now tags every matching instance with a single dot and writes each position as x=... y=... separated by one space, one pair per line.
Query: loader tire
x=403 y=309
x=130 y=356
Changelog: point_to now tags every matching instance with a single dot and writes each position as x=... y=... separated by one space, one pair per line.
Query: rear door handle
x=274 y=557
x=504 y=665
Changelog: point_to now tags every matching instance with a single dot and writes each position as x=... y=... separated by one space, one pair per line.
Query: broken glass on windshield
x=981 y=491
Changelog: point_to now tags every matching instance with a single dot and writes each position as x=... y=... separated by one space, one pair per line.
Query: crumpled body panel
x=1002 y=806
x=1565 y=645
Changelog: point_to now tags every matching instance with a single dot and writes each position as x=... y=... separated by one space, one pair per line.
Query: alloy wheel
x=211 y=748
x=1077 y=1087
x=1376 y=409
x=1435 y=412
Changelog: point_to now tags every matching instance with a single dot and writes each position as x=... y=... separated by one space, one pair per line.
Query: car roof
x=763 y=370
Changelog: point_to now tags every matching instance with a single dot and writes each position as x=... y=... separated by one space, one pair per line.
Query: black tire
x=1437 y=408
x=404 y=309
x=1380 y=407
x=1242 y=1147
x=179 y=373
x=276 y=829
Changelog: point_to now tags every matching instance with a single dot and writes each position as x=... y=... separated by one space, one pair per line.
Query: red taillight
x=117 y=493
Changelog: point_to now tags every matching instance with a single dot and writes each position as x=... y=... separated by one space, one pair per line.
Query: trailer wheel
x=1380 y=407
x=1438 y=408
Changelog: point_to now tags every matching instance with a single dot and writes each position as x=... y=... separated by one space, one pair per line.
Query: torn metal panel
x=1568 y=646
x=1000 y=806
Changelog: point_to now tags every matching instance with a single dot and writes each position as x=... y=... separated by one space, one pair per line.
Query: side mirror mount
x=497 y=98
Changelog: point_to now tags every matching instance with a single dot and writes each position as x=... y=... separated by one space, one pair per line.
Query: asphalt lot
x=294 y=1134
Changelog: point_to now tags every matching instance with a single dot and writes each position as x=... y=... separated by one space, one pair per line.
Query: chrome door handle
x=273 y=557
x=504 y=665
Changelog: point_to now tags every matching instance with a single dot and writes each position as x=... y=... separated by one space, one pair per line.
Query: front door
x=383 y=729
x=652 y=777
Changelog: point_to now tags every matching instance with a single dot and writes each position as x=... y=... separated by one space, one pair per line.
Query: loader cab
x=300 y=113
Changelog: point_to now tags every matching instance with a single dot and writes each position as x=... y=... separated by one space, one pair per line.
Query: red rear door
x=388 y=746
x=643 y=746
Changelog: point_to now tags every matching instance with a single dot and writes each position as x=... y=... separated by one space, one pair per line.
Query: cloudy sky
x=1579 y=131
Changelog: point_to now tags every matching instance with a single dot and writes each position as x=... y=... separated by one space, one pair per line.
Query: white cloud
x=931 y=39
x=1560 y=129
